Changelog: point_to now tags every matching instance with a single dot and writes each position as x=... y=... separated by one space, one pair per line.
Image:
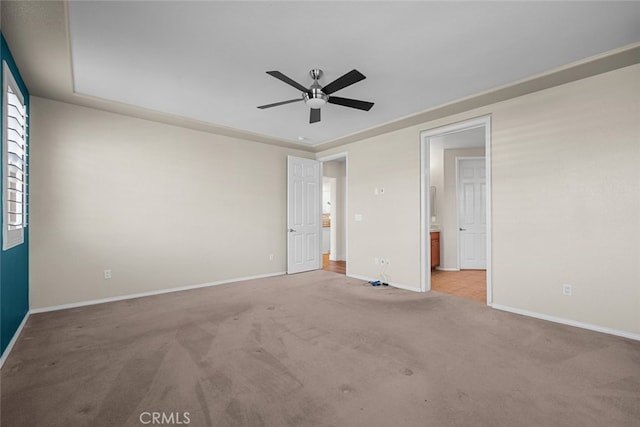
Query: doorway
x=442 y=150
x=334 y=213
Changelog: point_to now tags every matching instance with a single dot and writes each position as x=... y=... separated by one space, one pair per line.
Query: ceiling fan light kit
x=317 y=96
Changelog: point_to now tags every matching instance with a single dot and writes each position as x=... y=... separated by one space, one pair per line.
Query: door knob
x=463 y=229
x=291 y=230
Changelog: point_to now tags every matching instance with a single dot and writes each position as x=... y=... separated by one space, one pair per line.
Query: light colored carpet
x=315 y=349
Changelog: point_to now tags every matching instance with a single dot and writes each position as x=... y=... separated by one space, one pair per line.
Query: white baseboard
x=395 y=285
x=150 y=293
x=533 y=314
x=569 y=322
x=447 y=269
x=528 y=313
x=13 y=340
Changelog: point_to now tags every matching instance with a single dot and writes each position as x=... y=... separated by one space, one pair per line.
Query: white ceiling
x=207 y=60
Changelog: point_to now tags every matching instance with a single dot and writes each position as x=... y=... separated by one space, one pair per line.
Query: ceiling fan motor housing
x=315 y=97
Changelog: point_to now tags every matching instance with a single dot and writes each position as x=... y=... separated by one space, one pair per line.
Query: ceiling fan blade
x=275 y=104
x=353 y=103
x=278 y=75
x=348 y=79
x=314 y=116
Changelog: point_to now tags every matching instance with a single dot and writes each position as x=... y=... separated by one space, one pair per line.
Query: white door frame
x=342 y=155
x=425 y=208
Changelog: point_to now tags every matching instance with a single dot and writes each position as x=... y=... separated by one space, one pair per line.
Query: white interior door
x=304 y=215
x=472 y=219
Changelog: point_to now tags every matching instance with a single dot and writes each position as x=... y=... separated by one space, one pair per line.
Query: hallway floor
x=470 y=284
x=335 y=266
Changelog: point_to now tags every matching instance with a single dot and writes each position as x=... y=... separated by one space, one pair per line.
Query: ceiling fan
x=316 y=96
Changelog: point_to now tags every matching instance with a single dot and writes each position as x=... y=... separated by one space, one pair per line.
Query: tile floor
x=464 y=283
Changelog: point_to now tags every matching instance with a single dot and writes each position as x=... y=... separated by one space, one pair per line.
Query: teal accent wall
x=14 y=263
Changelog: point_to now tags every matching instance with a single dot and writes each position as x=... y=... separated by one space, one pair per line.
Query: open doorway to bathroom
x=334 y=236
x=456 y=215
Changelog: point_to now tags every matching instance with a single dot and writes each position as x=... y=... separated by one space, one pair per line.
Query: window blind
x=16 y=172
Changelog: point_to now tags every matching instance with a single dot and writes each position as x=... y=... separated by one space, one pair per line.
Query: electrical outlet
x=383 y=261
x=271 y=257
x=381 y=190
x=107 y=274
x=567 y=290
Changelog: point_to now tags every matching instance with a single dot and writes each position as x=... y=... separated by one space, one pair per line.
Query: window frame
x=14 y=237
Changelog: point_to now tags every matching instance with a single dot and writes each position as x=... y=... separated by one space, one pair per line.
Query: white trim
x=425 y=208
x=425 y=182
x=568 y=322
x=319 y=218
x=392 y=284
x=447 y=269
x=152 y=293
x=458 y=251
x=7 y=350
x=488 y=201
x=335 y=156
x=12 y=238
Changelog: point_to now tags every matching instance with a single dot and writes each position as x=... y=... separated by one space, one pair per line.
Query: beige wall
x=337 y=169
x=566 y=197
x=165 y=207
x=161 y=206
x=566 y=201
x=390 y=226
x=436 y=179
